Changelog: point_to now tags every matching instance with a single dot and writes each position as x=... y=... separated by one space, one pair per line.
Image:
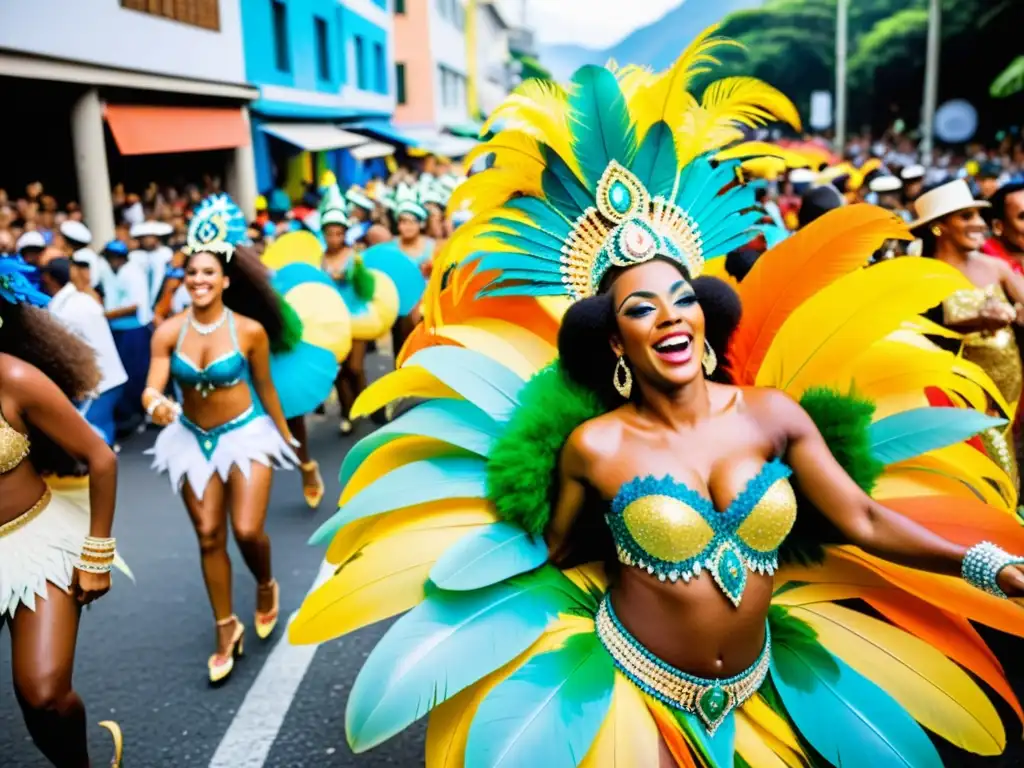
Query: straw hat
x=949 y=198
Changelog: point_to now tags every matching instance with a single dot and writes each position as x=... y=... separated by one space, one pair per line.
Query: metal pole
x=472 y=61
x=842 y=39
x=931 y=82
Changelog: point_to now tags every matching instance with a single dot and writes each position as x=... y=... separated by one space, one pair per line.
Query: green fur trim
x=363 y=281
x=291 y=328
x=843 y=421
x=522 y=466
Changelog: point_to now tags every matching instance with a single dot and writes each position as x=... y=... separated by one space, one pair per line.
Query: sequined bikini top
x=14 y=447
x=673 y=532
x=226 y=371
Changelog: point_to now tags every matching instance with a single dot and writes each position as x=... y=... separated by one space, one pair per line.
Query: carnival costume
x=49 y=540
x=303 y=374
x=443 y=510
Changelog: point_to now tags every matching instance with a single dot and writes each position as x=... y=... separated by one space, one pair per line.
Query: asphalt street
x=143 y=648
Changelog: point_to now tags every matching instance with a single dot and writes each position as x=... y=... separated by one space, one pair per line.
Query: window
x=282 y=56
x=400 y=6
x=360 y=63
x=323 y=56
x=380 y=70
x=459 y=15
x=400 y=83
x=198 y=13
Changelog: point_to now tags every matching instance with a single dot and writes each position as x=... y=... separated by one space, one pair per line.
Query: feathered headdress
x=217 y=226
x=408 y=200
x=333 y=209
x=15 y=288
x=615 y=169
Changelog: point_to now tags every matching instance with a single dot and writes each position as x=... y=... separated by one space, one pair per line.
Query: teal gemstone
x=731 y=573
x=619 y=197
x=713 y=705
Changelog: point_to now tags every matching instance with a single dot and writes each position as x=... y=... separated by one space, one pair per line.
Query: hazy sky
x=593 y=23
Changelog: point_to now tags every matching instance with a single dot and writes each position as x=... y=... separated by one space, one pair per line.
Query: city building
x=494 y=72
x=324 y=70
x=431 y=69
x=124 y=91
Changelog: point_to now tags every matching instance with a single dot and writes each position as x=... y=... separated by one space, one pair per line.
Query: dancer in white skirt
x=55 y=557
x=220 y=443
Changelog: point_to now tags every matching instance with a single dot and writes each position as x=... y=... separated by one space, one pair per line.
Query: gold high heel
x=315 y=495
x=265 y=622
x=219 y=670
x=115 y=732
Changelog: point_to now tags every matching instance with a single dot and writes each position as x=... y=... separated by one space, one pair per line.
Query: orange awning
x=146 y=130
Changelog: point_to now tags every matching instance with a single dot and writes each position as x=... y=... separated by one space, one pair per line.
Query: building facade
x=135 y=87
x=319 y=65
x=494 y=73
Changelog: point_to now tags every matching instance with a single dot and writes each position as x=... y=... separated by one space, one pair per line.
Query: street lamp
x=842 y=39
x=931 y=82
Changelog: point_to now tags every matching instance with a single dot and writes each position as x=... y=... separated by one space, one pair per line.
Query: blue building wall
x=302 y=73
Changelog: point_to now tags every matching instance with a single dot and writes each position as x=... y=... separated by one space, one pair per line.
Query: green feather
x=291 y=328
x=601 y=126
x=844 y=422
x=363 y=281
x=655 y=163
x=521 y=469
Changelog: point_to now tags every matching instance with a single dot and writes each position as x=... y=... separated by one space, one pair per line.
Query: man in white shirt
x=68 y=283
x=152 y=255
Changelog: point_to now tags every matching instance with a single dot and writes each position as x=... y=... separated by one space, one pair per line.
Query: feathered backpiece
x=333 y=208
x=217 y=226
x=15 y=288
x=408 y=201
x=614 y=169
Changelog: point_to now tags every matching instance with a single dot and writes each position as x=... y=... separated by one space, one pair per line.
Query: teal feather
x=533 y=241
x=542 y=215
x=601 y=126
x=908 y=434
x=456 y=422
x=843 y=715
x=420 y=482
x=487 y=556
x=543 y=289
x=560 y=184
x=717 y=751
x=489 y=260
x=486 y=383
x=548 y=712
x=292 y=275
x=446 y=643
x=303 y=377
x=655 y=163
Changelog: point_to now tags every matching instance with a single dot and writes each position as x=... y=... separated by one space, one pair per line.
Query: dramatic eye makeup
x=681 y=294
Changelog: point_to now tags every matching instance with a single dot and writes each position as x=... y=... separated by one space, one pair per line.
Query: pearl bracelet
x=99 y=568
x=982 y=565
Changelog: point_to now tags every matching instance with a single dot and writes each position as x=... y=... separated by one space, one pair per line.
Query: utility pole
x=842 y=41
x=472 y=62
x=931 y=81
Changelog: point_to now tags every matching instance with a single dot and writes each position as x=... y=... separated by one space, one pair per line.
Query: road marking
x=251 y=735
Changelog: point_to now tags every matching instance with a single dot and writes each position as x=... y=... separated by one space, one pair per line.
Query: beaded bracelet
x=982 y=565
x=88 y=567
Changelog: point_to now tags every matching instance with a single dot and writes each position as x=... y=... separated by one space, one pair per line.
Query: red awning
x=145 y=130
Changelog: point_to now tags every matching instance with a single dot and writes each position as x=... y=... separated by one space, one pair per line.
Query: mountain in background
x=657 y=45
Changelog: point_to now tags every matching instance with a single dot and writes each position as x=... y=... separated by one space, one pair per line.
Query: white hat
x=802 y=176
x=942 y=201
x=76 y=231
x=912 y=173
x=29 y=240
x=883 y=184
x=151 y=229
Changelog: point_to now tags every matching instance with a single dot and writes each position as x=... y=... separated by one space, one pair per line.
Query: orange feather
x=673 y=736
x=799 y=267
x=963 y=521
x=951 y=634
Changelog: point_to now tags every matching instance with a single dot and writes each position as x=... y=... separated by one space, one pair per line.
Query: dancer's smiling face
x=660 y=324
x=205 y=280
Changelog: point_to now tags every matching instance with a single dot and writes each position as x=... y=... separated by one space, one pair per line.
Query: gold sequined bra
x=13 y=447
x=673 y=532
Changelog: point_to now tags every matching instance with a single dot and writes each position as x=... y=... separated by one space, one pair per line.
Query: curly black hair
x=583 y=339
x=36 y=337
x=250 y=292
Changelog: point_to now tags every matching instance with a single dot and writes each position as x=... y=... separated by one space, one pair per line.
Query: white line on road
x=252 y=733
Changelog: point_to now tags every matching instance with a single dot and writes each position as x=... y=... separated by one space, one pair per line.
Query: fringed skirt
x=191 y=454
x=41 y=546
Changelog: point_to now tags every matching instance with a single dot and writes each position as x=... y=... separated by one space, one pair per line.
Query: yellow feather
x=970 y=466
x=448 y=728
x=849 y=315
x=755 y=749
x=763 y=149
x=411 y=381
x=632 y=78
x=934 y=690
x=590 y=577
x=487 y=191
x=391 y=456
x=539 y=109
x=665 y=97
x=511 y=149
x=771 y=723
x=906 y=483
x=387 y=578
x=629 y=737
x=513 y=346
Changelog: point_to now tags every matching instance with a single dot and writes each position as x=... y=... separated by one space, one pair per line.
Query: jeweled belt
x=711 y=700
x=26 y=517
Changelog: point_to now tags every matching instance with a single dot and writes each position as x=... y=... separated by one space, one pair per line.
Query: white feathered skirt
x=188 y=453
x=41 y=546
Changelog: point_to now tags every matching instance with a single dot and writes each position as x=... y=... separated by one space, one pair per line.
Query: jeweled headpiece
x=217 y=226
x=613 y=170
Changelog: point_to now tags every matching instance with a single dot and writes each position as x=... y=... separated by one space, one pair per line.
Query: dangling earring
x=622 y=378
x=710 y=359
x=937 y=230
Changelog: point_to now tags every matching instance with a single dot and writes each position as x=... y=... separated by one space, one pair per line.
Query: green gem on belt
x=713 y=706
